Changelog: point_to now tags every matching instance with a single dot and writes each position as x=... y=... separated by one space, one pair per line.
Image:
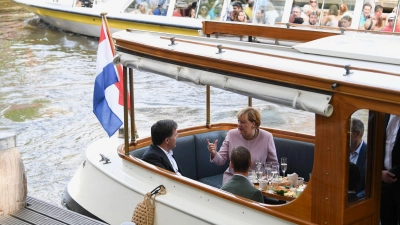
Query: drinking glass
x=252 y=175
x=275 y=171
x=268 y=174
x=283 y=165
x=258 y=164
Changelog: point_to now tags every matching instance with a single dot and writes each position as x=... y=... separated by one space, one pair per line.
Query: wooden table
x=275 y=196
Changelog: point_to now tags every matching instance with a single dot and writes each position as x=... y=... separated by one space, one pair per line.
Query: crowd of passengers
x=338 y=15
x=372 y=18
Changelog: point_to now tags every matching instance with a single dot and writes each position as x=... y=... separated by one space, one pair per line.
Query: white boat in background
x=69 y=16
x=331 y=77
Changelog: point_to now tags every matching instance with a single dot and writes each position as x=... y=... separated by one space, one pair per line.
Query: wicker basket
x=144 y=211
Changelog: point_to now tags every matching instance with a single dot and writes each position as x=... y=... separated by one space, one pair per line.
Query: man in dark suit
x=354 y=180
x=358 y=153
x=390 y=195
x=239 y=184
x=163 y=135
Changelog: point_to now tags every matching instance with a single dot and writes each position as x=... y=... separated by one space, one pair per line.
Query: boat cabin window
x=149 y=7
x=206 y=10
x=379 y=16
x=267 y=12
x=358 y=152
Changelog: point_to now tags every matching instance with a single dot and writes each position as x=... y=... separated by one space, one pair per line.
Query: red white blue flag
x=108 y=92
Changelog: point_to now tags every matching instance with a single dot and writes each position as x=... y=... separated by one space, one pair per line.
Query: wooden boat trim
x=257 y=30
x=319 y=83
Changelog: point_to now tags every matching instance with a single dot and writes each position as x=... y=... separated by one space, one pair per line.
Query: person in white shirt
x=163 y=135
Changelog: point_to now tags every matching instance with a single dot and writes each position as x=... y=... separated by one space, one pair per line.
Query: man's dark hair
x=237 y=4
x=162 y=129
x=354 y=176
x=240 y=158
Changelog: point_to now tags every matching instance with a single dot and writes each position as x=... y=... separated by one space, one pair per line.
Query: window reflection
x=267 y=12
x=148 y=7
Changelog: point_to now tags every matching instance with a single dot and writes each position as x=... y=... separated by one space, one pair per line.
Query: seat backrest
x=300 y=156
x=185 y=156
x=138 y=153
x=204 y=167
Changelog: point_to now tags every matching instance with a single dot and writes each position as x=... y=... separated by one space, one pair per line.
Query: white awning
x=291 y=97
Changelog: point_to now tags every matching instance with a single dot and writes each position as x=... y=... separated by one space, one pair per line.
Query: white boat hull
x=112 y=191
x=87 y=21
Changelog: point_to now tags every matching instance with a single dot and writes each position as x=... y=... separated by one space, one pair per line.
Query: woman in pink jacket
x=259 y=142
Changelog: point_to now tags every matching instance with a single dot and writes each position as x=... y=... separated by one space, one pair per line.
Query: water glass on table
x=283 y=165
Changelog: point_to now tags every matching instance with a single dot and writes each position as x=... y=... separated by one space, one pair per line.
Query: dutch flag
x=108 y=90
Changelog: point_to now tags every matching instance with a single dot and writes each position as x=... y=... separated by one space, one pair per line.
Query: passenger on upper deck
x=270 y=14
x=295 y=17
x=333 y=17
x=249 y=10
x=203 y=13
x=312 y=19
x=237 y=7
x=390 y=194
x=345 y=21
x=259 y=17
x=305 y=14
x=259 y=142
x=391 y=21
x=163 y=135
x=314 y=6
x=377 y=18
x=358 y=153
x=240 y=184
x=365 y=15
x=241 y=17
x=143 y=9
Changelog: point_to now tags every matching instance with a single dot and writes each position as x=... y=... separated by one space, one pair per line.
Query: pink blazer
x=262 y=146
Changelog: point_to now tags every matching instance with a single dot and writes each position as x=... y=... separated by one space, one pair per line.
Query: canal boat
x=83 y=17
x=332 y=77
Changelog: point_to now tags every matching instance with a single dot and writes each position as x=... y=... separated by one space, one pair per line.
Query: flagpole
x=134 y=133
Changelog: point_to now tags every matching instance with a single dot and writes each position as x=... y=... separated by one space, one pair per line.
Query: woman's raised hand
x=212 y=147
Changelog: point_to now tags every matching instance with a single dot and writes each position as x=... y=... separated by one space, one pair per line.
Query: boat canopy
x=292 y=97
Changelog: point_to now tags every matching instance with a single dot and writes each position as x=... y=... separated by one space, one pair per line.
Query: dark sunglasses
x=203 y=8
x=390 y=20
x=313 y=1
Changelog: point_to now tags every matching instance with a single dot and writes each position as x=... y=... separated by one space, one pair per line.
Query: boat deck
x=40 y=212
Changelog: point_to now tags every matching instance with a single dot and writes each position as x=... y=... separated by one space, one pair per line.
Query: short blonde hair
x=253 y=115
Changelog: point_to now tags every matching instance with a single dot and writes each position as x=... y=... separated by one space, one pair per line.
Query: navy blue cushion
x=184 y=154
x=215 y=181
x=300 y=156
x=138 y=153
x=204 y=167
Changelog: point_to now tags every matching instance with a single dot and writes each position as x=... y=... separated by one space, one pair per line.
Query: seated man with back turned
x=163 y=136
x=239 y=184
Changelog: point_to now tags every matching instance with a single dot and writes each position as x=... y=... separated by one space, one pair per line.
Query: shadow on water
x=50 y=73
